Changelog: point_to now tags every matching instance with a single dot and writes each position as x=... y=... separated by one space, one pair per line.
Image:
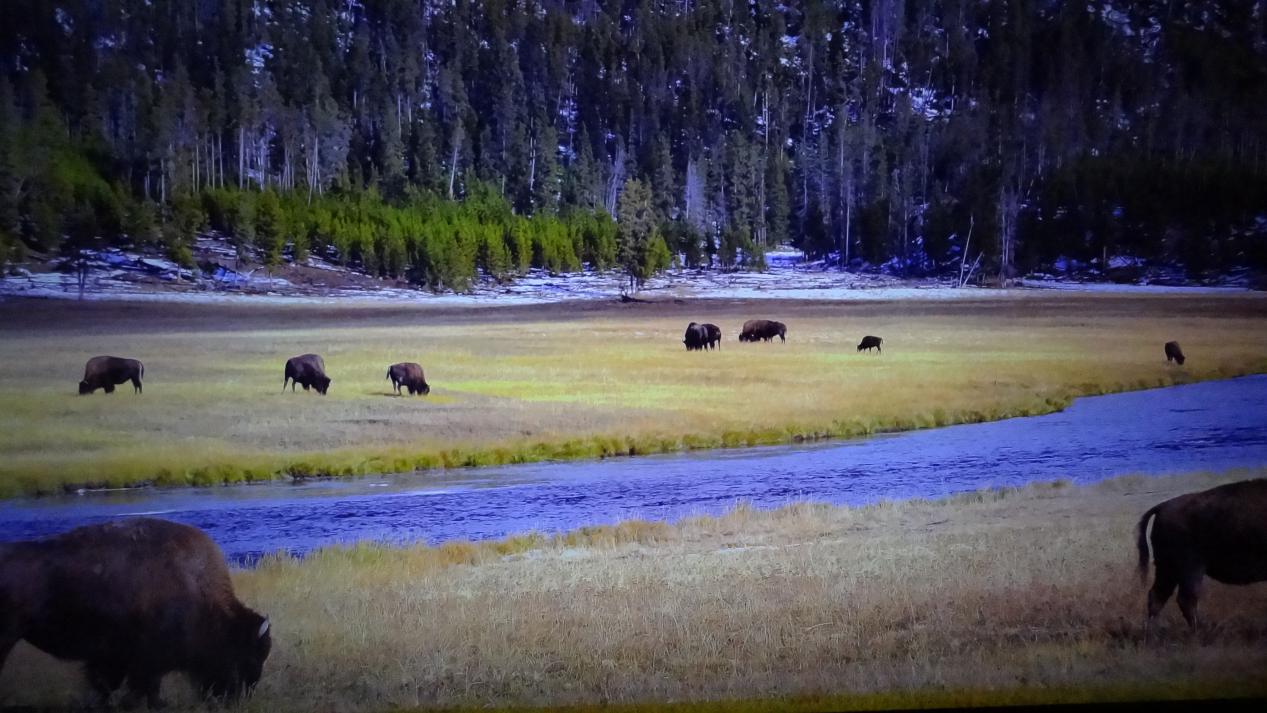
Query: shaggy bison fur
x=133 y=600
x=1174 y=353
x=105 y=372
x=408 y=375
x=868 y=343
x=763 y=330
x=1220 y=533
x=307 y=370
x=714 y=336
x=696 y=337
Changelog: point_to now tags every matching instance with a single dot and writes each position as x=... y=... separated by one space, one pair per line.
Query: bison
x=307 y=370
x=1220 y=533
x=409 y=375
x=763 y=329
x=714 y=336
x=696 y=337
x=104 y=372
x=869 y=342
x=1174 y=353
x=133 y=600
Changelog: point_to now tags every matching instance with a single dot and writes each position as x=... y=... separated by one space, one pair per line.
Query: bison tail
x=1141 y=542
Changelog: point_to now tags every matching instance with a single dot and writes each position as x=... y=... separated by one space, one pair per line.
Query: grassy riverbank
x=580 y=380
x=1012 y=596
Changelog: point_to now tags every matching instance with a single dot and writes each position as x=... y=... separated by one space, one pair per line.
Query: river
x=1215 y=425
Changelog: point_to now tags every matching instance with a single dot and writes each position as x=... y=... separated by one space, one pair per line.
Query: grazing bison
x=135 y=600
x=409 y=375
x=696 y=337
x=714 y=336
x=1220 y=532
x=868 y=343
x=1174 y=353
x=307 y=370
x=763 y=329
x=104 y=372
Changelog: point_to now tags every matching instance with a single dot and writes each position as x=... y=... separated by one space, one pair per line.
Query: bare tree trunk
x=453 y=161
x=963 y=257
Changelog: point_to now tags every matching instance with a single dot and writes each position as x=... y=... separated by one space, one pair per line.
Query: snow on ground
x=1130 y=289
x=117 y=275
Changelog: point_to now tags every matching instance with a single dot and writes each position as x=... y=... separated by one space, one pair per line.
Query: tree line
x=432 y=140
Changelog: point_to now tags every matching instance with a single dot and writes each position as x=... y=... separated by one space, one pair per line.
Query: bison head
x=425 y=388
x=321 y=384
x=243 y=660
x=85 y=388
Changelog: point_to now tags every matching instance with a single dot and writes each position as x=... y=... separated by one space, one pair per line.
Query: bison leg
x=144 y=685
x=7 y=642
x=109 y=388
x=1163 y=586
x=136 y=385
x=105 y=679
x=1189 y=592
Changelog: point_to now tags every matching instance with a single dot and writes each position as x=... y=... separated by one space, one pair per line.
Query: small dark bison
x=1220 y=532
x=104 y=372
x=409 y=375
x=868 y=343
x=307 y=370
x=133 y=599
x=763 y=329
x=1174 y=353
x=696 y=337
x=714 y=336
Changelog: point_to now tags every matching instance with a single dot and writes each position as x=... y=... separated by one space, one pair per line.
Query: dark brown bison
x=763 y=329
x=409 y=375
x=1174 y=353
x=868 y=343
x=135 y=600
x=714 y=336
x=104 y=372
x=696 y=337
x=1220 y=533
x=307 y=370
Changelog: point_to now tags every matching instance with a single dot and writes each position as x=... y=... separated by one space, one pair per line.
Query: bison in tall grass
x=307 y=370
x=714 y=336
x=133 y=600
x=762 y=330
x=869 y=342
x=105 y=372
x=1174 y=353
x=696 y=337
x=409 y=375
x=1220 y=533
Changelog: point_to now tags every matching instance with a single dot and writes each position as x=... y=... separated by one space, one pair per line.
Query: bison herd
x=306 y=370
x=309 y=370
x=136 y=599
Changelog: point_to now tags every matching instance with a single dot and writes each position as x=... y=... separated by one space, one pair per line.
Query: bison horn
x=263 y=629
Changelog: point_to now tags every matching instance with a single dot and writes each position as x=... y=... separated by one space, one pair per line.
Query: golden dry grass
x=561 y=381
x=1024 y=595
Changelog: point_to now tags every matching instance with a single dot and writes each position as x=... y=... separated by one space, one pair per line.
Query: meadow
x=992 y=597
x=562 y=381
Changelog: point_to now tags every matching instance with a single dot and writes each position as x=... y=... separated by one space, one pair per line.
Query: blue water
x=1208 y=426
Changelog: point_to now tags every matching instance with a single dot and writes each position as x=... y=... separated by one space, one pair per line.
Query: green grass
x=559 y=382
